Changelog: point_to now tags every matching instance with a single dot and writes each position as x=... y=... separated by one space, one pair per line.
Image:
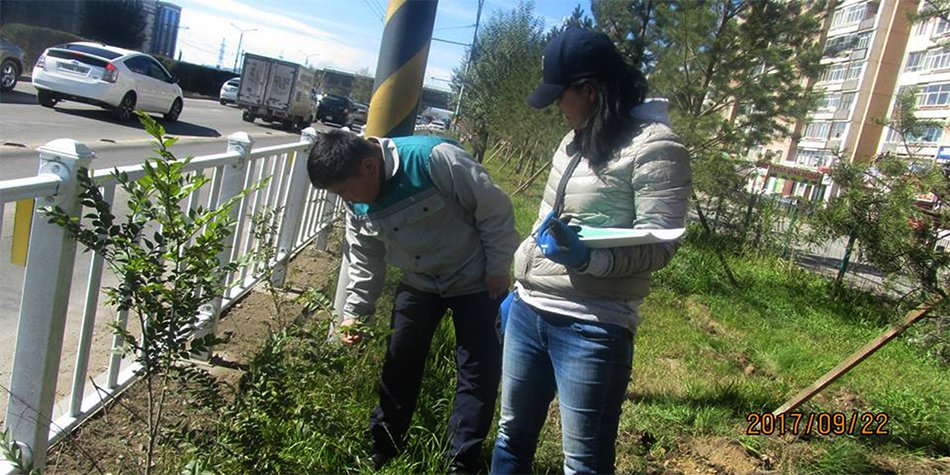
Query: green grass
x=706 y=355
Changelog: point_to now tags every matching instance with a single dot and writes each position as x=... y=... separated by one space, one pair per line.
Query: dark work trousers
x=415 y=317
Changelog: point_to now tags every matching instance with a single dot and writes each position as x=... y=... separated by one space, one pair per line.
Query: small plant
x=166 y=261
x=13 y=455
x=264 y=229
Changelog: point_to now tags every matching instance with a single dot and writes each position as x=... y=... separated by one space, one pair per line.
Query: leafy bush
x=166 y=260
x=34 y=40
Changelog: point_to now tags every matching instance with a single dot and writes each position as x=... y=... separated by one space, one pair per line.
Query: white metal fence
x=49 y=290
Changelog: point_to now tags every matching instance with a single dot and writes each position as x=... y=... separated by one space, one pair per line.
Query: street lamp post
x=240 y=40
x=306 y=57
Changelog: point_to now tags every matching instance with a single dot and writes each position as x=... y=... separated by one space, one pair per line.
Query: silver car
x=229 y=91
x=11 y=64
x=116 y=79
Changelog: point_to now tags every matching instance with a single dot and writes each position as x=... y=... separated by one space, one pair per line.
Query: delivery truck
x=275 y=90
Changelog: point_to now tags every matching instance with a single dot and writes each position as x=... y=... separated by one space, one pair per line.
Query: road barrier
x=305 y=215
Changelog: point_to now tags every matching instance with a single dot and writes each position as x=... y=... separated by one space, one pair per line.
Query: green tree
x=881 y=210
x=114 y=22
x=505 y=70
x=362 y=86
x=933 y=9
x=733 y=72
x=165 y=257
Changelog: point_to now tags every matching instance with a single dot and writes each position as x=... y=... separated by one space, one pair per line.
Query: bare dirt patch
x=712 y=456
x=114 y=440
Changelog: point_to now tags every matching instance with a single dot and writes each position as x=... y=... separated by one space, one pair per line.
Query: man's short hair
x=335 y=157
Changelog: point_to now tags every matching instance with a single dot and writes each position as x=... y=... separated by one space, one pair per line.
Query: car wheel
x=223 y=102
x=8 y=75
x=124 y=111
x=174 y=112
x=45 y=98
x=247 y=116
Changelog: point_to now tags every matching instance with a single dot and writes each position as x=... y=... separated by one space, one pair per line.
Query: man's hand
x=497 y=285
x=349 y=331
x=560 y=243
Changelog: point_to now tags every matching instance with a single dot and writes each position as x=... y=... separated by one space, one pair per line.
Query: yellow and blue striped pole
x=401 y=68
x=400 y=72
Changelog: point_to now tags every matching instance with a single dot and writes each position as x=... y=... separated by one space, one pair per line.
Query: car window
x=102 y=53
x=138 y=64
x=333 y=101
x=157 y=71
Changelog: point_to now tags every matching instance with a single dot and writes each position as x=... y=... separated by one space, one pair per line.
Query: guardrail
x=305 y=215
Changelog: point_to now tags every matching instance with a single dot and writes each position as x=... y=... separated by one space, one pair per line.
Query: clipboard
x=595 y=238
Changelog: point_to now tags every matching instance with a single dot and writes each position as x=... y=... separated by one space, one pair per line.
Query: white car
x=229 y=91
x=113 y=78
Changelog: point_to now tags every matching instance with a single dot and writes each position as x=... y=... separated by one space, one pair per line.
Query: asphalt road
x=202 y=129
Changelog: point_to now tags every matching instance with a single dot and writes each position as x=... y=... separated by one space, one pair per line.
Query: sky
x=337 y=34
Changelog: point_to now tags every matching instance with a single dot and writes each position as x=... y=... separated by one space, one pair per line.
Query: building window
x=817 y=130
x=849 y=15
x=830 y=101
x=928 y=135
x=838 y=129
x=854 y=70
x=861 y=40
x=915 y=61
x=934 y=95
x=893 y=136
x=847 y=100
x=834 y=73
x=939 y=59
x=811 y=158
x=941 y=28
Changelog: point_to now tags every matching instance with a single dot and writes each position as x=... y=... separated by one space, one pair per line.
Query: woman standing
x=573 y=314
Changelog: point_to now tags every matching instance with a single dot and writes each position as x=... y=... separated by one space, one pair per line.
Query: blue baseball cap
x=574 y=54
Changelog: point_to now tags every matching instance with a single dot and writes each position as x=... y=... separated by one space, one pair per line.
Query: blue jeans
x=587 y=364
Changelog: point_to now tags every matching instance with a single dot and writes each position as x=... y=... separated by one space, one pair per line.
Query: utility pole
x=240 y=40
x=471 y=55
x=221 y=53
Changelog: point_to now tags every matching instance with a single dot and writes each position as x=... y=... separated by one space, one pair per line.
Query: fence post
x=293 y=209
x=42 y=319
x=232 y=184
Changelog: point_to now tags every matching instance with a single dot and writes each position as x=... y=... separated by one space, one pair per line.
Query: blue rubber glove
x=503 y=310
x=560 y=243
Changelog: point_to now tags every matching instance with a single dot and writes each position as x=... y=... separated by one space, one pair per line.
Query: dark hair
x=610 y=125
x=335 y=157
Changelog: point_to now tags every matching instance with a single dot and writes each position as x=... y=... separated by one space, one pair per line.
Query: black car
x=334 y=109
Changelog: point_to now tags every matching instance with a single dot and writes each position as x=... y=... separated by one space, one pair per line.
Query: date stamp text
x=821 y=423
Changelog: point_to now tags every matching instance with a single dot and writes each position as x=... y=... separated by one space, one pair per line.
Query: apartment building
x=161 y=34
x=864 y=49
x=926 y=70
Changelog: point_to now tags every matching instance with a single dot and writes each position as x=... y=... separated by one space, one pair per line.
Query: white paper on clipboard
x=617 y=237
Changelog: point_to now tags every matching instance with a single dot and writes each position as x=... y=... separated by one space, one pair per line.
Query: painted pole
x=42 y=319
x=400 y=72
x=401 y=68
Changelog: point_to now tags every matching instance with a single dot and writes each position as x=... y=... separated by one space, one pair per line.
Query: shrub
x=35 y=39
